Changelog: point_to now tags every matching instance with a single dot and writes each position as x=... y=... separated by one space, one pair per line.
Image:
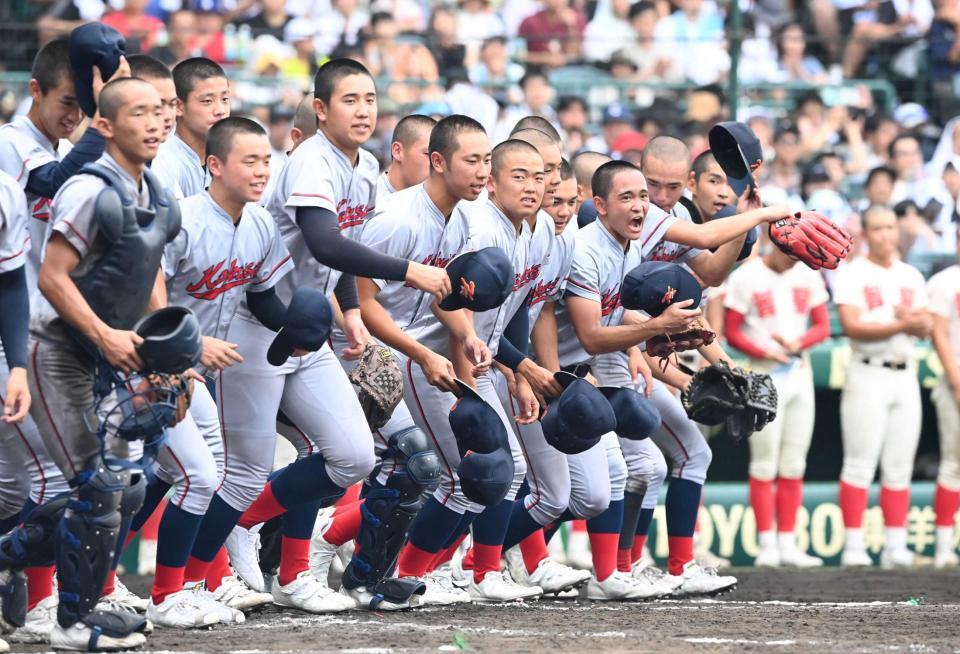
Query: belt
x=892 y=365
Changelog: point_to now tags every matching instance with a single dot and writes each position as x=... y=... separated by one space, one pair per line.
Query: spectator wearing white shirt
x=695 y=33
x=609 y=31
x=341 y=26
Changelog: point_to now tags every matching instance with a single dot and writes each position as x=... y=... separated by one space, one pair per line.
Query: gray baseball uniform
x=179 y=168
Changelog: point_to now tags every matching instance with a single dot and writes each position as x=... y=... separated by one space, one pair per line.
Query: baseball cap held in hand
x=737 y=149
x=654 y=285
x=481 y=280
x=307 y=326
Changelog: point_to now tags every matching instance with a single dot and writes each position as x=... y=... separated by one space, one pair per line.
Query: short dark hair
x=147 y=67
x=220 y=136
x=532 y=73
x=52 y=64
x=567 y=101
x=190 y=71
x=330 y=74
x=538 y=123
x=111 y=96
x=702 y=162
x=410 y=127
x=602 y=181
x=638 y=8
x=877 y=172
x=566 y=170
x=380 y=17
x=897 y=139
x=446 y=133
x=507 y=147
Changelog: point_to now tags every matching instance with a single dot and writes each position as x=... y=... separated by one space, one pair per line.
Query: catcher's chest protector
x=118 y=286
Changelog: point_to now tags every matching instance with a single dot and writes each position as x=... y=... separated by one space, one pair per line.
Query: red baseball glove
x=812 y=238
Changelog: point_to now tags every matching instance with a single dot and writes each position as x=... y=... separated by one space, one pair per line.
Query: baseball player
x=155 y=73
x=883 y=309
x=203 y=92
x=943 y=290
x=585 y=164
x=775 y=312
x=409 y=159
x=322 y=197
x=77 y=291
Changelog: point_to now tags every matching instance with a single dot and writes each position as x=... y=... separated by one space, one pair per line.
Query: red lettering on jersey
x=348 y=216
x=216 y=280
x=801 y=296
x=662 y=252
x=437 y=260
x=906 y=297
x=543 y=290
x=41 y=210
x=527 y=276
x=873 y=296
x=765 y=304
x=609 y=301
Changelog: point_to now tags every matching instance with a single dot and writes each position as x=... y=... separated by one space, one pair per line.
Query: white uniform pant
x=430 y=408
x=313 y=391
x=948 y=420
x=780 y=449
x=880 y=417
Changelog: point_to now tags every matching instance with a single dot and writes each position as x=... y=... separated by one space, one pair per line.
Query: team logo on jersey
x=609 y=301
x=541 y=291
x=467 y=288
x=668 y=296
x=348 y=216
x=873 y=297
x=41 y=209
x=764 y=303
x=906 y=297
x=217 y=280
x=801 y=296
x=527 y=276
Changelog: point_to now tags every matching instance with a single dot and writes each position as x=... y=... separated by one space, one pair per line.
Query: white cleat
x=122 y=599
x=555 y=578
x=855 y=558
x=618 y=587
x=322 y=553
x=708 y=559
x=699 y=581
x=77 y=638
x=182 y=610
x=646 y=558
x=4 y=647
x=946 y=559
x=495 y=587
x=243 y=546
x=308 y=594
x=362 y=597
x=235 y=593
x=654 y=575
x=39 y=623
x=459 y=577
x=794 y=558
x=903 y=558
x=767 y=557
x=440 y=590
x=226 y=614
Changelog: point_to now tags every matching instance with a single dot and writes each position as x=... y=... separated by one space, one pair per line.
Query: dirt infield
x=772 y=611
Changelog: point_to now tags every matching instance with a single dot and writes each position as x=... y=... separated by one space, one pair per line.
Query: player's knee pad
x=133 y=496
x=87 y=539
x=857 y=472
x=413 y=456
x=949 y=474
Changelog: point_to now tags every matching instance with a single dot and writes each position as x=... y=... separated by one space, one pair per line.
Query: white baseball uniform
x=655 y=225
x=312 y=391
x=880 y=406
x=25 y=467
x=384 y=188
x=179 y=168
x=779 y=303
x=943 y=290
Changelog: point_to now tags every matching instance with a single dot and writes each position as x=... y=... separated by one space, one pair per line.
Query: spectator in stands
x=883 y=21
x=916 y=234
x=495 y=67
x=137 y=26
x=442 y=41
x=65 y=15
x=794 y=63
x=608 y=31
x=408 y=14
x=278 y=130
x=879 y=132
x=537 y=94
x=301 y=33
x=476 y=22
x=943 y=52
x=181 y=29
x=907 y=162
x=514 y=12
x=413 y=70
x=464 y=98
x=695 y=35
x=783 y=171
x=341 y=26
x=554 y=35
x=617 y=119
x=208 y=40
x=653 y=61
x=271 y=19
x=878 y=188
x=572 y=113
x=379 y=42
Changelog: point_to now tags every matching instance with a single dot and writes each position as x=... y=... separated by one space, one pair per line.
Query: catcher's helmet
x=171 y=340
x=94 y=44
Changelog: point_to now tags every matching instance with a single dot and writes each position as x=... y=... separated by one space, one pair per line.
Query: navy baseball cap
x=654 y=285
x=616 y=112
x=93 y=44
x=752 y=235
x=737 y=149
x=486 y=478
x=575 y=421
x=481 y=280
x=637 y=417
x=307 y=326
x=587 y=213
x=475 y=424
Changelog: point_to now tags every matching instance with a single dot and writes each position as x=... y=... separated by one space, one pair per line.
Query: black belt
x=892 y=365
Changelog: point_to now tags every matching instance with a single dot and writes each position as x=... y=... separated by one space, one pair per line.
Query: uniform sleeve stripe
x=655 y=229
x=584 y=287
x=311 y=195
x=74 y=230
x=275 y=269
x=18 y=252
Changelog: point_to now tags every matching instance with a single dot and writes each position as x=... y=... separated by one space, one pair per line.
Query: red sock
x=681 y=553
x=636 y=552
x=444 y=555
x=761 y=499
x=579 y=525
x=294 y=558
x=263 y=508
x=414 y=561
x=604 y=549
x=624 y=562
x=350 y=497
x=345 y=525
x=39 y=584
x=945 y=503
x=196 y=570
x=110 y=584
x=130 y=536
x=166 y=581
x=219 y=568
x=853 y=502
x=534 y=550
x=789 y=497
x=150 y=528
x=467 y=562
x=486 y=558
x=895 y=504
